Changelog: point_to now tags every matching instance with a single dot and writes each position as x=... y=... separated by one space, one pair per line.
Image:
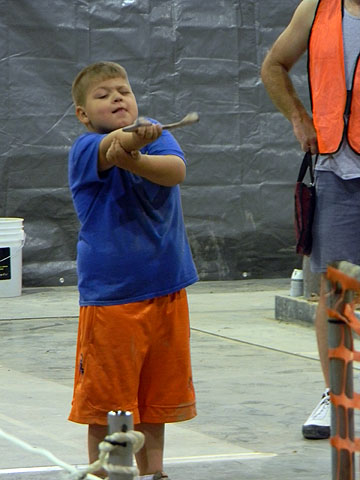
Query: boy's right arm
x=121 y=149
x=128 y=142
x=285 y=52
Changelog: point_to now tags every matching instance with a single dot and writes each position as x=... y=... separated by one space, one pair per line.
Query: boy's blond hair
x=94 y=73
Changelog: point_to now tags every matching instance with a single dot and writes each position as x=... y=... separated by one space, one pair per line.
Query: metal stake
x=121 y=421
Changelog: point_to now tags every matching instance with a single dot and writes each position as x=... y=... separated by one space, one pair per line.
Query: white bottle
x=297 y=283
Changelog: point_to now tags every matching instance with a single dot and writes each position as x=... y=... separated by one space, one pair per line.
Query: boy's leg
x=166 y=394
x=96 y=434
x=150 y=458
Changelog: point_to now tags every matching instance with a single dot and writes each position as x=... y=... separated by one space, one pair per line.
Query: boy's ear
x=81 y=115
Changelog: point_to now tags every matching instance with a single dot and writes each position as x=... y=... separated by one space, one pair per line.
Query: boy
x=134 y=262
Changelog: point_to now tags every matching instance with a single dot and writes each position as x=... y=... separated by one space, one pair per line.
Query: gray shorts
x=336 y=228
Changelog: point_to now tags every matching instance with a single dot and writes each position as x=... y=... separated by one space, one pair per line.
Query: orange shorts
x=134 y=357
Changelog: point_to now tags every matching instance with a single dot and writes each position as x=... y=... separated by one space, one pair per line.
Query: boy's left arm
x=165 y=170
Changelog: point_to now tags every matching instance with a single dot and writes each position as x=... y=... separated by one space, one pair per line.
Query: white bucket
x=12 y=238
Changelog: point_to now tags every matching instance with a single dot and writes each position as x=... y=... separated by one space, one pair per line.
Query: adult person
x=330 y=31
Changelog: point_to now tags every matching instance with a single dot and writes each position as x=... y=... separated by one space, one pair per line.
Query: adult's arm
x=285 y=52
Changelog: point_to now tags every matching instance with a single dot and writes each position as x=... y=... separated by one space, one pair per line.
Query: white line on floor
x=226 y=457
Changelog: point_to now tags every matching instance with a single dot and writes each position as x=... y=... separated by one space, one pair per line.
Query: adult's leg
x=336 y=236
x=150 y=458
x=317 y=425
x=321 y=327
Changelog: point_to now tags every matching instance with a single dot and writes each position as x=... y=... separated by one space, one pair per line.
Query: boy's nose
x=117 y=97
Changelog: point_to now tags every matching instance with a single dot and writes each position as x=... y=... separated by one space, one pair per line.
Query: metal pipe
x=121 y=421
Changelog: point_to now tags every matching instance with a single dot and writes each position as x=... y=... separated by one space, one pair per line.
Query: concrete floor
x=256 y=378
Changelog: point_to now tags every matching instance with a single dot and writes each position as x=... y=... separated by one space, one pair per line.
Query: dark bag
x=304 y=207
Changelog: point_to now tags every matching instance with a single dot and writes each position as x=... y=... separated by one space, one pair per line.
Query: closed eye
x=100 y=96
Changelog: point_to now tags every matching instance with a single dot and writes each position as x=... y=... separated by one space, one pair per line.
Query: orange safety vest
x=329 y=98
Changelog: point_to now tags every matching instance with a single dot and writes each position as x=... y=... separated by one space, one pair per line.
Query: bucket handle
x=21 y=246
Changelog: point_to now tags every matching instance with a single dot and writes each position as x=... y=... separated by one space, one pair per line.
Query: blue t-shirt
x=132 y=242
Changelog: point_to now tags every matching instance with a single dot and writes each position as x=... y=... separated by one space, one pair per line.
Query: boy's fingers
x=149 y=132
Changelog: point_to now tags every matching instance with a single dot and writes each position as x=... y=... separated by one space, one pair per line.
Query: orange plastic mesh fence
x=343 y=440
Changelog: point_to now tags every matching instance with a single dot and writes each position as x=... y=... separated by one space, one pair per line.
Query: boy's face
x=110 y=104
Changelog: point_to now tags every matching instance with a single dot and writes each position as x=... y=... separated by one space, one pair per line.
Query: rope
x=109 y=444
x=106 y=447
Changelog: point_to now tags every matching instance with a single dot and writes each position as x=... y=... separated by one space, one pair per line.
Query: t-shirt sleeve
x=83 y=161
x=164 y=145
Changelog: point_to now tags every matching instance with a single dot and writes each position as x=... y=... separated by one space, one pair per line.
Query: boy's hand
x=115 y=148
x=116 y=155
x=149 y=132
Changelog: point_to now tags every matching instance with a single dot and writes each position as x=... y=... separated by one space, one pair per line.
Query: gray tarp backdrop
x=181 y=56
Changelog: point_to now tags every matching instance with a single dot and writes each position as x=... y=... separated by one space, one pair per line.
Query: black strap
x=307 y=164
x=348 y=102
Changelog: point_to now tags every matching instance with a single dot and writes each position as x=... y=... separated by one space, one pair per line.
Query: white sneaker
x=317 y=426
